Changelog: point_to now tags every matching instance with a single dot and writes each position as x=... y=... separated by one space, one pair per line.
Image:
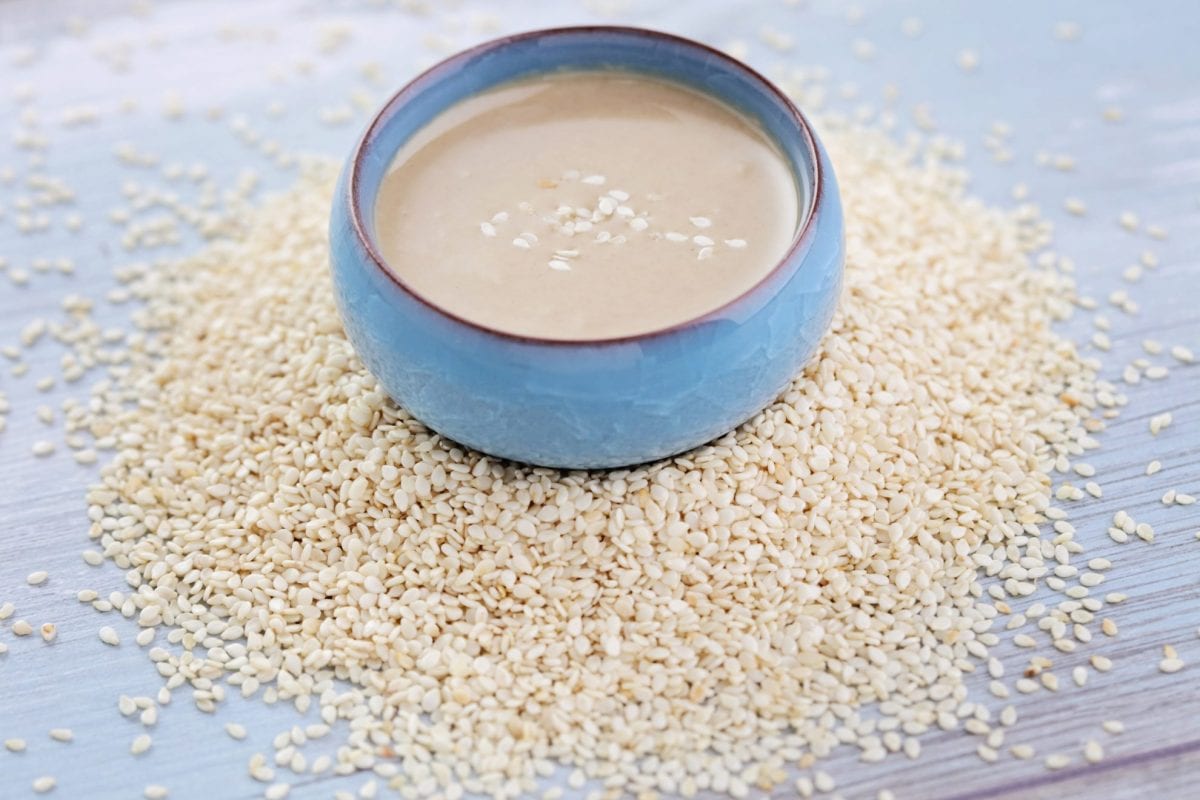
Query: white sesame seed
x=15 y=745
x=140 y=745
x=558 y=264
x=62 y=734
x=37 y=578
x=1057 y=761
x=109 y=636
x=1160 y=422
x=1182 y=354
x=1170 y=665
x=235 y=730
x=21 y=628
x=1093 y=752
x=700 y=222
x=44 y=784
x=155 y=791
x=968 y=60
x=1113 y=726
x=487 y=229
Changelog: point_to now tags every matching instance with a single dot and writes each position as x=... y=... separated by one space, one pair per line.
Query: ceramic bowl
x=587 y=404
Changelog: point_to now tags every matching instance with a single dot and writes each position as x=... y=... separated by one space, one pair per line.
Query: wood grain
x=1052 y=92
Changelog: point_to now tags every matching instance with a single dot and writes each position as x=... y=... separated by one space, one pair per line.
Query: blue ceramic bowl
x=590 y=404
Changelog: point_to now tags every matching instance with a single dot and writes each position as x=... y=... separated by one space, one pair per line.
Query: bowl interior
x=587 y=48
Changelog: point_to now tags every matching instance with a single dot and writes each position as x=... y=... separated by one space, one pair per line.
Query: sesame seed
x=155 y=791
x=1057 y=761
x=1113 y=726
x=1170 y=663
x=140 y=745
x=235 y=731
x=109 y=636
x=487 y=229
x=44 y=784
x=21 y=628
x=1160 y=422
x=15 y=745
x=1093 y=752
x=700 y=222
x=558 y=264
x=62 y=734
x=36 y=578
x=1182 y=354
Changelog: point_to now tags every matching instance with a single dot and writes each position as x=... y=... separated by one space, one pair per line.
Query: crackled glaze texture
x=598 y=404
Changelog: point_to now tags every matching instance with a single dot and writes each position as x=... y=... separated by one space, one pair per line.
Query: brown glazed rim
x=803 y=234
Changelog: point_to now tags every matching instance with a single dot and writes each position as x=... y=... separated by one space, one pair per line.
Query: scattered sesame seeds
x=1160 y=422
x=1171 y=662
x=430 y=499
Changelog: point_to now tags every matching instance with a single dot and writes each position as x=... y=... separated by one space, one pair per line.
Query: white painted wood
x=1051 y=92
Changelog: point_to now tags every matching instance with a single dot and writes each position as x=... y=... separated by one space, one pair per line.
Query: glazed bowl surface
x=602 y=403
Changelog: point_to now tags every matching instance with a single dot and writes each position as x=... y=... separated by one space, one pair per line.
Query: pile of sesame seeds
x=204 y=643
x=704 y=623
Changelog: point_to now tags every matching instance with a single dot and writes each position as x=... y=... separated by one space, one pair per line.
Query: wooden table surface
x=241 y=56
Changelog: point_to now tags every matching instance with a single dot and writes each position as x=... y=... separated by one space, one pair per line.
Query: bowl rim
x=800 y=240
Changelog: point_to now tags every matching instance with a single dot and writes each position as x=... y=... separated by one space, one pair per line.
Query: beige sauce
x=586 y=205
